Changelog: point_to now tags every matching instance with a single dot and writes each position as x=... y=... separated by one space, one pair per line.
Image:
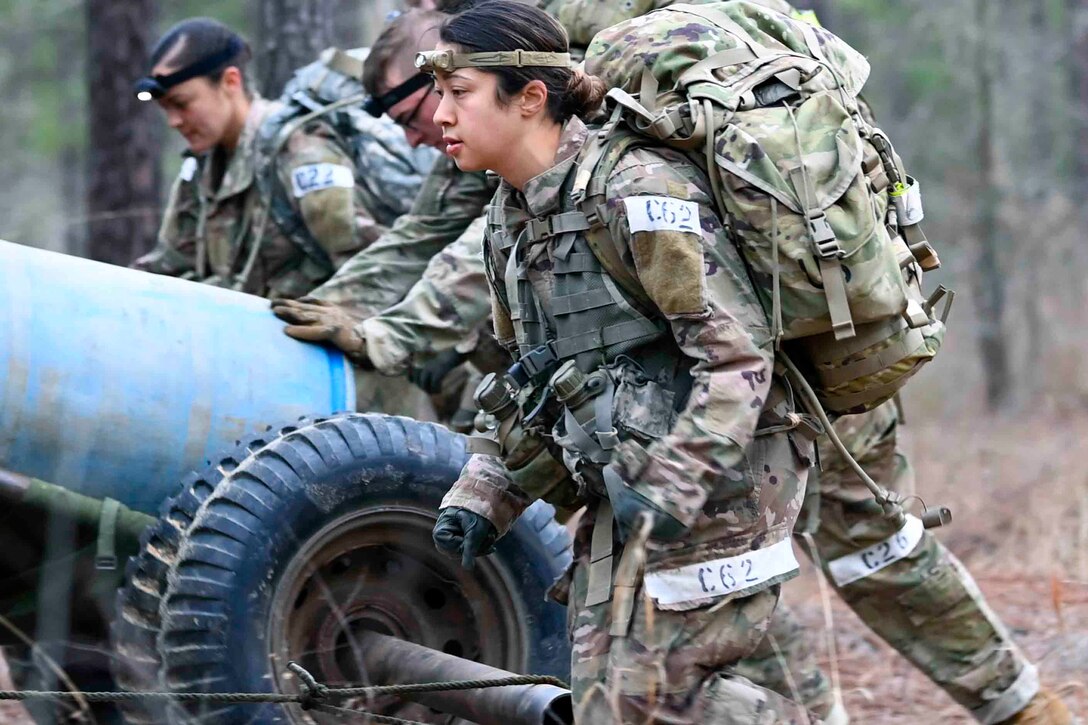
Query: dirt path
x=1048 y=618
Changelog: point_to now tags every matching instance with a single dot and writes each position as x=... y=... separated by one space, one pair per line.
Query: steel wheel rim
x=380 y=565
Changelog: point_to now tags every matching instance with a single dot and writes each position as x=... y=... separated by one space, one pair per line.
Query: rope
x=313 y=696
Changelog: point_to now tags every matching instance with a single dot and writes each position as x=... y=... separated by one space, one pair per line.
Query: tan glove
x=312 y=320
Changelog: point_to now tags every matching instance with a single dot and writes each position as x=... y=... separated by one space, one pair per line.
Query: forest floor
x=1019 y=495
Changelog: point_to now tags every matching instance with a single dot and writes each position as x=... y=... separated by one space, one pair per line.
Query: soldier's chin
x=197 y=144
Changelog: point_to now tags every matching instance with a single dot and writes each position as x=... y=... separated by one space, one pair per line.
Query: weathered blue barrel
x=116 y=382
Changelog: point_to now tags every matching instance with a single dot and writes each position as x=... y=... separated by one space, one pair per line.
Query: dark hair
x=498 y=25
x=397 y=47
x=194 y=39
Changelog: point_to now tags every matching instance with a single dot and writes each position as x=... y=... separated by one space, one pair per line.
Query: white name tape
x=717 y=578
x=315 y=177
x=662 y=213
x=188 y=169
x=862 y=563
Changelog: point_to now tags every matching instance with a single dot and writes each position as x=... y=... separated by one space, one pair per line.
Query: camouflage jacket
x=736 y=489
x=421 y=286
x=215 y=213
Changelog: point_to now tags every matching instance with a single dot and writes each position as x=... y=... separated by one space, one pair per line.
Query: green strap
x=827 y=253
x=703 y=71
x=867 y=397
x=599 y=588
x=628 y=331
x=875 y=361
x=106 y=553
x=589 y=299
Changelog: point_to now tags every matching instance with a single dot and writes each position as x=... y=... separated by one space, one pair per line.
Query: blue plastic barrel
x=117 y=382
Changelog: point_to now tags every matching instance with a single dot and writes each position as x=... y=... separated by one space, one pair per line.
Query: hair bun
x=585 y=93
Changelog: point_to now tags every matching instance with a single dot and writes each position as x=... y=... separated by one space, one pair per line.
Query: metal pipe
x=392 y=661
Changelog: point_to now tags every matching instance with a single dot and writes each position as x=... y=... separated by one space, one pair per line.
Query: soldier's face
x=203 y=111
x=477 y=131
x=414 y=113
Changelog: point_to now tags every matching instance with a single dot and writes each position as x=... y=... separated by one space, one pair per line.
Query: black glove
x=430 y=375
x=630 y=507
x=460 y=532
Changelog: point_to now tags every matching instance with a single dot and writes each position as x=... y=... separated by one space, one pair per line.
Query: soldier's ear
x=533 y=98
x=232 y=79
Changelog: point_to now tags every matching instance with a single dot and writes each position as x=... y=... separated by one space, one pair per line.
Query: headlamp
x=429 y=61
x=155 y=86
x=377 y=105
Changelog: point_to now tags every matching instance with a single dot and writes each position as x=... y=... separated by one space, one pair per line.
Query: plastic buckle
x=105 y=563
x=538 y=229
x=537 y=363
x=823 y=236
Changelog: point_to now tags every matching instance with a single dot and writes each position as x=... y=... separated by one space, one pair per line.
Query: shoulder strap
x=604 y=154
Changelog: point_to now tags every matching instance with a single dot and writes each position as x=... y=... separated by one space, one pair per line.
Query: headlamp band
x=446 y=60
x=156 y=86
x=377 y=105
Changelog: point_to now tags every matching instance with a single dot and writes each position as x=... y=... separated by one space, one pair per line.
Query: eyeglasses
x=407 y=122
x=377 y=105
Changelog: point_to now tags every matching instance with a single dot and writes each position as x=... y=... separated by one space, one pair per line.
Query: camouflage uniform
x=922 y=601
x=420 y=286
x=702 y=461
x=215 y=210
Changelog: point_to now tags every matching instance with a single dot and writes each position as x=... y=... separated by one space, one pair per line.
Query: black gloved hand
x=430 y=375
x=460 y=532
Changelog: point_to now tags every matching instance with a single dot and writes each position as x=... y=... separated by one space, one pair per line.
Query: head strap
x=156 y=86
x=446 y=60
x=377 y=105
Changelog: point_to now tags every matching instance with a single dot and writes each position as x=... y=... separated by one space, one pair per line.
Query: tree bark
x=989 y=282
x=123 y=158
x=291 y=34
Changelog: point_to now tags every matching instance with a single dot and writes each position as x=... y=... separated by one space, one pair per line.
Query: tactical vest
x=589 y=340
x=592 y=316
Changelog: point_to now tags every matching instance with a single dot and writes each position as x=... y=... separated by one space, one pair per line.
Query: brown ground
x=1019 y=494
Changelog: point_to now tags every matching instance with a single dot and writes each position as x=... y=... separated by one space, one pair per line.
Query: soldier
x=394 y=303
x=675 y=395
x=218 y=227
x=970 y=655
x=222 y=227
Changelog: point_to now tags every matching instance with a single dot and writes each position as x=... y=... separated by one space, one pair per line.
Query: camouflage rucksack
x=815 y=196
x=388 y=171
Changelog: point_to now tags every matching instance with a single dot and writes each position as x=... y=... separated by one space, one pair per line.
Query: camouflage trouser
x=925 y=604
x=672 y=667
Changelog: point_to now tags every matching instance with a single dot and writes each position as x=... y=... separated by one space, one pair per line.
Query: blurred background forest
x=987 y=102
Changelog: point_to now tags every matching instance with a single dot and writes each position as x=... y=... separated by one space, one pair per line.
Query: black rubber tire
x=136 y=624
x=220 y=587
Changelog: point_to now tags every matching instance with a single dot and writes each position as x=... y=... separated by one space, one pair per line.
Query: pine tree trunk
x=989 y=281
x=292 y=33
x=123 y=158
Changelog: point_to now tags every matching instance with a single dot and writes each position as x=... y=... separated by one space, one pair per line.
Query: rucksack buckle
x=823 y=237
x=537 y=229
